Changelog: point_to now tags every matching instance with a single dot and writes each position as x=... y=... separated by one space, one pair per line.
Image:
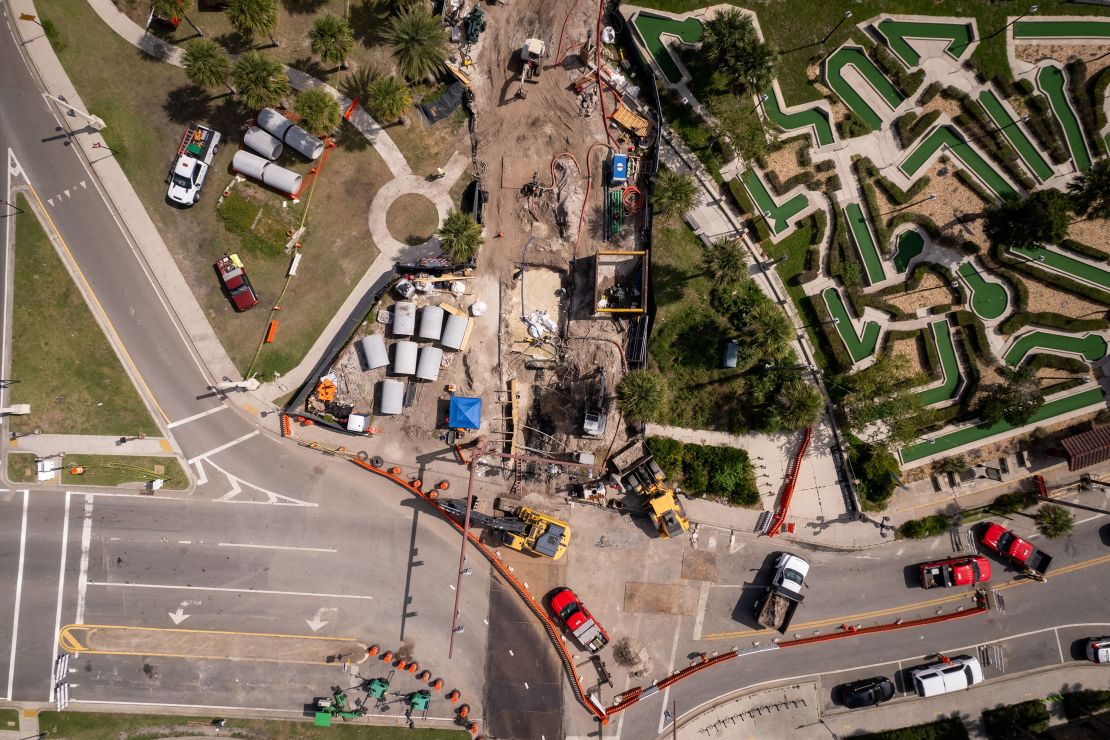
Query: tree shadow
x=356 y=85
x=234 y=42
x=350 y=139
x=187 y=103
x=230 y=117
x=311 y=66
x=369 y=20
x=302 y=7
x=669 y=283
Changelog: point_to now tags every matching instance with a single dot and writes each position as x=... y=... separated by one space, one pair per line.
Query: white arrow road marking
x=50 y=201
x=179 y=616
x=318 y=621
x=83 y=185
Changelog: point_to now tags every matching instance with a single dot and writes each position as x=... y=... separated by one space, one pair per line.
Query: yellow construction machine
x=639 y=472
x=525 y=530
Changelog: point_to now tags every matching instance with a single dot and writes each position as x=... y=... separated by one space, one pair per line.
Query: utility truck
x=578 y=620
x=965 y=571
x=1007 y=544
x=194 y=159
x=777 y=606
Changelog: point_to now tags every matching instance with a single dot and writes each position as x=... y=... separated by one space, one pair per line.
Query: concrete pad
x=786 y=711
x=699 y=565
x=660 y=598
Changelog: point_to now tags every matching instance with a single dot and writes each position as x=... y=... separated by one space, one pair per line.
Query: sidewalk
x=88 y=444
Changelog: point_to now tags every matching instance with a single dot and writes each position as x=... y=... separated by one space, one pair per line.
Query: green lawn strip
x=652 y=28
x=1091 y=347
x=859 y=347
x=834 y=78
x=111 y=470
x=910 y=244
x=983 y=430
x=96 y=726
x=988 y=299
x=1051 y=81
x=68 y=372
x=1091 y=29
x=1068 y=265
x=947 y=136
x=814 y=117
x=780 y=217
x=9 y=719
x=896 y=33
x=21 y=467
x=1016 y=136
x=865 y=243
x=942 y=337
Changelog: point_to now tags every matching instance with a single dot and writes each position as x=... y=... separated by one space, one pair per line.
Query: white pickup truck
x=194 y=158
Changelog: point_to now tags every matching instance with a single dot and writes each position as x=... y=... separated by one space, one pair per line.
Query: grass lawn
x=790 y=24
x=9 y=719
x=21 y=467
x=67 y=370
x=94 y=726
x=412 y=219
x=795 y=247
x=111 y=470
x=147 y=105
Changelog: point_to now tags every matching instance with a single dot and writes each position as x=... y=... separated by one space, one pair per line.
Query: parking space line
x=703 y=600
x=276 y=547
x=18 y=592
x=171 y=587
x=1059 y=648
x=194 y=417
x=255 y=708
x=83 y=572
x=221 y=448
x=61 y=590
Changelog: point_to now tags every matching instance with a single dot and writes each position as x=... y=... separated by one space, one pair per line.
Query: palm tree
x=419 y=43
x=171 y=9
x=331 y=39
x=1042 y=218
x=319 y=111
x=460 y=236
x=674 y=193
x=206 y=64
x=767 y=331
x=261 y=81
x=254 y=17
x=797 y=405
x=389 y=98
x=643 y=395
x=726 y=261
x=741 y=62
x=1054 y=521
x=1090 y=191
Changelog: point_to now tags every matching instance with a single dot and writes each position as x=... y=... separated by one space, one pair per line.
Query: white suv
x=791 y=572
x=957 y=674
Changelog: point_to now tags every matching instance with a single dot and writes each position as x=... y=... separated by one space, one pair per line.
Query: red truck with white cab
x=587 y=631
x=961 y=571
x=1007 y=544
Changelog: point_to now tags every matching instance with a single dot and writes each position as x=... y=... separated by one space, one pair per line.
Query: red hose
x=559 y=51
x=633 y=199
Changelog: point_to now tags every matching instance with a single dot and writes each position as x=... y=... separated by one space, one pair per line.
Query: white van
x=942 y=678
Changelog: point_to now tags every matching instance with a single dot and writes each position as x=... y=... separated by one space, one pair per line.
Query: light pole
x=926 y=199
x=846 y=16
x=998 y=129
x=95 y=121
x=1032 y=9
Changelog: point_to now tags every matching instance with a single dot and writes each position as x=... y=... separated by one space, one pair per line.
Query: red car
x=578 y=620
x=964 y=571
x=1007 y=544
x=235 y=280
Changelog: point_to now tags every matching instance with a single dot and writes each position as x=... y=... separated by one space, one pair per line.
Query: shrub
x=1082 y=249
x=1011 y=503
x=949 y=728
x=1053 y=320
x=919 y=529
x=852 y=125
x=929 y=93
x=1024 y=87
x=721 y=471
x=668 y=453
x=964 y=177
x=1096 y=91
x=1015 y=720
x=1045 y=128
x=643 y=395
x=877 y=470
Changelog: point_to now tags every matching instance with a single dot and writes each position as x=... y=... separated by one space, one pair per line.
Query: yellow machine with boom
x=525 y=530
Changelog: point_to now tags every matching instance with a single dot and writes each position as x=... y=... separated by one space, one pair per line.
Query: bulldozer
x=638 y=471
x=532 y=55
x=524 y=530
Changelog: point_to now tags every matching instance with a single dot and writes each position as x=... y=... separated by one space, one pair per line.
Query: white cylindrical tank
x=263 y=143
x=249 y=164
x=454 y=331
x=428 y=367
x=290 y=133
x=404 y=318
x=254 y=166
x=393 y=395
x=431 y=323
x=404 y=357
x=373 y=351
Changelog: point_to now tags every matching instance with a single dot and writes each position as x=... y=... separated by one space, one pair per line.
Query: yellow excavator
x=639 y=472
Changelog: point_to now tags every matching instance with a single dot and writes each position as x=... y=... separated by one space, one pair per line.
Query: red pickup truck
x=963 y=571
x=1007 y=544
x=586 y=630
x=235 y=280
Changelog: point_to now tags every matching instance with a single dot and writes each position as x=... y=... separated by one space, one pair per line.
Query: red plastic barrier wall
x=791 y=480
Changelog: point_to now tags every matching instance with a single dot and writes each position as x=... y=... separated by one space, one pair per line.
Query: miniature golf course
x=653 y=27
x=896 y=33
x=780 y=217
x=1091 y=347
x=946 y=391
x=865 y=243
x=1071 y=266
x=971 y=434
x=947 y=136
x=988 y=299
x=1051 y=80
x=1092 y=29
x=801 y=119
x=1009 y=128
x=854 y=56
x=859 y=347
x=910 y=244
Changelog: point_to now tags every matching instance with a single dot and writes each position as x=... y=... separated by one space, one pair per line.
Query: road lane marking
x=61 y=585
x=1064 y=570
x=667 y=691
x=254 y=708
x=113 y=334
x=194 y=417
x=1058 y=647
x=171 y=587
x=18 y=592
x=276 y=547
x=86 y=543
x=699 y=620
x=221 y=448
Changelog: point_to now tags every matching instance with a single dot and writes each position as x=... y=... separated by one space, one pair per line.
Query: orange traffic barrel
x=437 y=684
x=464 y=710
x=454 y=695
x=413 y=666
x=373 y=650
x=424 y=676
x=443 y=485
x=401 y=663
x=387 y=656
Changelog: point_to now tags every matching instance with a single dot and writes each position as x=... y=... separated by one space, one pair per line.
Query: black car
x=866 y=692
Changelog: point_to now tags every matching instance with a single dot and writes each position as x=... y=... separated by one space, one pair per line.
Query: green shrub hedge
x=1045 y=128
x=1052 y=320
x=1091 y=253
x=1016 y=720
x=919 y=529
x=724 y=472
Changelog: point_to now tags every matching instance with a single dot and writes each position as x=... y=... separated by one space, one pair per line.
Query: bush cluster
x=1045 y=128
x=910 y=126
x=724 y=472
x=907 y=82
x=919 y=529
x=1053 y=321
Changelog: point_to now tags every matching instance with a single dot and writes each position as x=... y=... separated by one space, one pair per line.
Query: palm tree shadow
x=350 y=139
x=356 y=85
x=368 y=20
x=302 y=7
x=231 y=117
x=234 y=42
x=669 y=283
x=310 y=66
x=187 y=103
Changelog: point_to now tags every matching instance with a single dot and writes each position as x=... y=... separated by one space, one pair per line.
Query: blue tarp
x=465 y=413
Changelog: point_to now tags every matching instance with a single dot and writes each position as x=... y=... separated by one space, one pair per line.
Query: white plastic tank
x=373 y=351
x=431 y=323
x=404 y=357
x=393 y=396
x=454 y=331
x=290 y=133
x=263 y=143
x=278 y=178
x=404 y=318
x=428 y=367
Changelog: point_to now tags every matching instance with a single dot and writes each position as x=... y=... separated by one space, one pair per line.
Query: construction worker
x=440 y=172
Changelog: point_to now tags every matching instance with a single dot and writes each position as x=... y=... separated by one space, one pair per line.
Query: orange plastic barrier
x=1042 y=489
x=271 y=331
x=286 y=426
x=791 y=480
